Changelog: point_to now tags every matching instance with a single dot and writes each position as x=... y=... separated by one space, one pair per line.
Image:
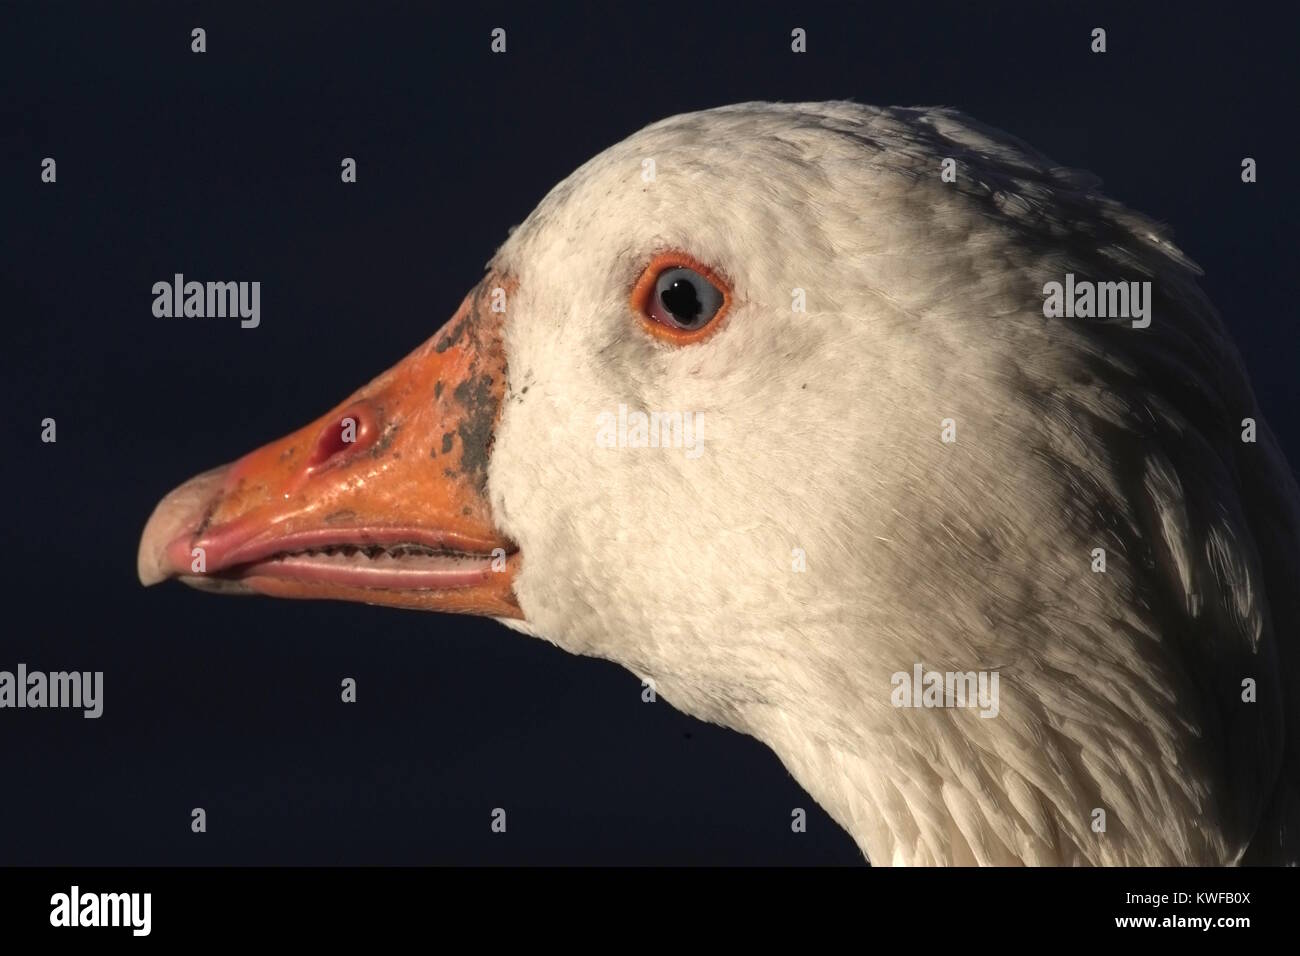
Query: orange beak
x=382 y=500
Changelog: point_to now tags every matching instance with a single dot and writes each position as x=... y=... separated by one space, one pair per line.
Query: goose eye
x=684 y=299
x=679 y=299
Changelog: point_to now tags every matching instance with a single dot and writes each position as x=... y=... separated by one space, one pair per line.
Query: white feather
x=1119 y=691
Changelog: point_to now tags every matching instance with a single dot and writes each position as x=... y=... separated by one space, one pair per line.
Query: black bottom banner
x=333 y=905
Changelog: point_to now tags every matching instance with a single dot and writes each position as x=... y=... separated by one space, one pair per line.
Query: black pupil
x=682 y=301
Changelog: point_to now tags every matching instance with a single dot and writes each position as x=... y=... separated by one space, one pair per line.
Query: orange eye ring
x=645 y=288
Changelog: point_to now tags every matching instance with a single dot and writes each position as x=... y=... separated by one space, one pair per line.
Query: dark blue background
x=226 y=165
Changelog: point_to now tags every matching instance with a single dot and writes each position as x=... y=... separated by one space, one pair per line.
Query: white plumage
x=1120 y=691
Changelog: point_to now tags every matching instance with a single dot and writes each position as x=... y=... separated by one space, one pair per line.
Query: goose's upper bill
x=899 y=461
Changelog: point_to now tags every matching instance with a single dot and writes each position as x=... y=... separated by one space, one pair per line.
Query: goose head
x=759 y=405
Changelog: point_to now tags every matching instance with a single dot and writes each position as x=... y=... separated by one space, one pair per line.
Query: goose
x=880 y=453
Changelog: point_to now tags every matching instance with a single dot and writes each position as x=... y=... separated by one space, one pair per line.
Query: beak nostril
x=351 y=431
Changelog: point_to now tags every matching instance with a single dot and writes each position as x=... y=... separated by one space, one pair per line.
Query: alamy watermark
x=209 y=300
x=650 y=430
x=1083 y=299
x=922 y=688
x=75 y=908
x=36 y=689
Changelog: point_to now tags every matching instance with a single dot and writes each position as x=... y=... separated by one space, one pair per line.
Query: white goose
x=1125 y=733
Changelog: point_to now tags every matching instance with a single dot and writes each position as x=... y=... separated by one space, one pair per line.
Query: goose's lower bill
x=382 y=500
